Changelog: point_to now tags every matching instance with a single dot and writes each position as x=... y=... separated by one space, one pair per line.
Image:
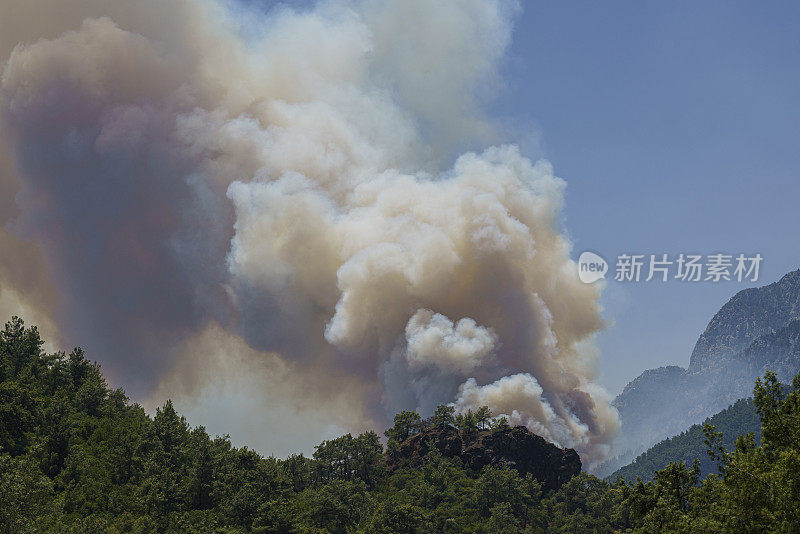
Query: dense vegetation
x=735 y=420
x=76 y=456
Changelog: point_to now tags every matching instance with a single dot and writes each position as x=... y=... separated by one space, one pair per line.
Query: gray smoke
x=281 y=199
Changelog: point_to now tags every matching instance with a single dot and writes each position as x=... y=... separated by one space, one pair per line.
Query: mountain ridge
x=749 y=314
x=758 y=329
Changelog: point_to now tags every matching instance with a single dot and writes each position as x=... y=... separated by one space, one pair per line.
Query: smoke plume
x=214 y=199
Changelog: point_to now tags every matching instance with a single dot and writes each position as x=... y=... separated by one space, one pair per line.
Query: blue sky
x=675 y=125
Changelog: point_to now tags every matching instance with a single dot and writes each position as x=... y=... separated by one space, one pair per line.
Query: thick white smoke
x=432 y=339
x=287 y=191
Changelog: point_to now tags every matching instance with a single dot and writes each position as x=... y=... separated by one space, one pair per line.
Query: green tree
x=26 y=496
x=467 y=421
x=505 y=486
x=347 y=458
x=780 y=414
x=483 y=417
x=391 y=516
x=406 y=424
x=501 y=423
x=20 y=350
x=335 y=507
x=444 y=415
x=501 y=520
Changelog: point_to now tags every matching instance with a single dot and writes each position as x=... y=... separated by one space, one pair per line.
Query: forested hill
x=76 y=456
x=738 y=419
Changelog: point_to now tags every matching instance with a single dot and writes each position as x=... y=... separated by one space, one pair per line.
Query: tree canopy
x=77 y=456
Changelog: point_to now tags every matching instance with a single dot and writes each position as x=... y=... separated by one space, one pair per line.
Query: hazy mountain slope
x=755 y=331
x=739 y=418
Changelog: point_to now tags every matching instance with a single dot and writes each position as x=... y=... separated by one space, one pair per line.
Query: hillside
x=516 y=447
x=757 y=330
x=738 y=419
x=77 y=457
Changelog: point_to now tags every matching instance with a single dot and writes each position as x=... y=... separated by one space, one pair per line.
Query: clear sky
x=675 y=125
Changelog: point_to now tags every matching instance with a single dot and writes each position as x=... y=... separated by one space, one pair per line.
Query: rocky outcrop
x=515 y=447
x=778 y=351
x=750 y=314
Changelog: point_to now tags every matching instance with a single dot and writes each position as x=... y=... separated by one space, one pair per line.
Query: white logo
x=591 y=267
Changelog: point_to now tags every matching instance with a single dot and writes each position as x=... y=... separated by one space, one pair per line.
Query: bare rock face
x=750 y=314
x=516 y=447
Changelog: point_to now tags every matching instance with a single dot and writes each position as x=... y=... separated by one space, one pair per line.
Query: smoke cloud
x=279 y=204
x=431 y=338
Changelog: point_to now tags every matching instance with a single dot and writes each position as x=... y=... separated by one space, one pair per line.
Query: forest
x=78 y=456
x=737 y=419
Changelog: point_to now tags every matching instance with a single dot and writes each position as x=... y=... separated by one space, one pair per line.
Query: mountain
x=755 y=331
x=779 y=352
x=750 y=314
x=516 y=447
x=735 y=420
